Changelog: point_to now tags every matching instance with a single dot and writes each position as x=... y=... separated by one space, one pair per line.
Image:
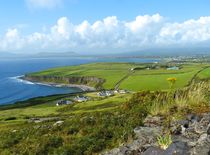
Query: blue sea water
x=13 y=89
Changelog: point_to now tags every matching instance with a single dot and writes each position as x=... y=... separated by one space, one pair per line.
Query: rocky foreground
x=190 y=136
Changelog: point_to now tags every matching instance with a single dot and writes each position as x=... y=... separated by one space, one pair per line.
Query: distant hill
x=8 y=55
x=168 y=52
x=54 y=54
x=4 y=55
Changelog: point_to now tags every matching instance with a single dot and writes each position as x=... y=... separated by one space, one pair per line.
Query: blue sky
x=21 y=19
x=17 y=12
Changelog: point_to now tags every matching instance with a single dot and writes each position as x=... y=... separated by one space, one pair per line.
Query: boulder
x=153 y=151
x=177 y=148
x=208 y=130
x=58 y=123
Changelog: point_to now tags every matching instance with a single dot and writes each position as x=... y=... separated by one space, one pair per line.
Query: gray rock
x=184 y=123
x=152 y=121
x=153 y=151
x=58 y=123
x=178 y=129
x=177 y=148
x=147 y=133
x=202 y=138
x=193 y=118
x=208 y=130
x=190 y=136
x=201 y=150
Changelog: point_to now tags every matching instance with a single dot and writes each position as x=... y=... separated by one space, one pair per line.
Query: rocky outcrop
x=190 y=136
x=86 y=80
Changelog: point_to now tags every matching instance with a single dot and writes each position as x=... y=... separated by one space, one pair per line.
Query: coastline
x=84 y=88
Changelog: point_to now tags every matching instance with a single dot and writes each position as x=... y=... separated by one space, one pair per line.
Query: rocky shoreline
x=84 y=88
x=190 y=136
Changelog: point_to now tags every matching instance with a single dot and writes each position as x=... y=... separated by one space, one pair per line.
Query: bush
x=48 y=145
x=10 y=118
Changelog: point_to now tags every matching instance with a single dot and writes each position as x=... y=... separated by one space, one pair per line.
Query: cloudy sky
x=100 y=26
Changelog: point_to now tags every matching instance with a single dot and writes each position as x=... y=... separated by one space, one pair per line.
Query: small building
x=105 y=93
x=63 y=102
x=123 y=91
x=81 y=99
x=173 y=68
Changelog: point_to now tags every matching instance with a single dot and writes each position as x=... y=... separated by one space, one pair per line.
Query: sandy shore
x=82 y=87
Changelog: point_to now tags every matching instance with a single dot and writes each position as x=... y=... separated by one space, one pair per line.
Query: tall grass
x=189 y=98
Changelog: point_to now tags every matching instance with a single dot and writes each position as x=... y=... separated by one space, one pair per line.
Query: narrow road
x=117 y=85
x=196 y=74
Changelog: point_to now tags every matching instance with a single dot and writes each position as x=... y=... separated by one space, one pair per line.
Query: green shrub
x=10 y=118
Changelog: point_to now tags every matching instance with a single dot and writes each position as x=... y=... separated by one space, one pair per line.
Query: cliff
x=85 y=80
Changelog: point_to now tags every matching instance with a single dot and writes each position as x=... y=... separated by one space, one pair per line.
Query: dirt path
x=196 y=74
x=117 y=85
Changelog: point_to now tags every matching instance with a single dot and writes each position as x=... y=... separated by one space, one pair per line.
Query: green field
x=152 y=79
x=100 y=123
x=96 y=104
x=156 y=79
x=205 y=74
x=17 y=131
x=111 y=72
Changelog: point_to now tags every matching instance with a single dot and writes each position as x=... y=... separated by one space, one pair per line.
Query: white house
x=81 y=99
x=63 y=102
x=105 y=93
x=173 y=68
x=123 y=91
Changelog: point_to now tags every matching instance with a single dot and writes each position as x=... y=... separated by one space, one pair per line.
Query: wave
x=19 y=80
x=43 y=84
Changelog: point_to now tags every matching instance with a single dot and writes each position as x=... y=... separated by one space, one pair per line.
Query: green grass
x=98 y=124
x=154 y=79
x=205 y=74
x=103 y=104
x=96 y=104
x=85 y=124
x=157 y=79
x=138 y=82
x=111 y=72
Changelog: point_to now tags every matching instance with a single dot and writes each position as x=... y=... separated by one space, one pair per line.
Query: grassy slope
x=156 y=79
x=205 y=74
x=140 y=80
x=73 y=115
x=112 y=72
x=50 y=109
x=150 y=79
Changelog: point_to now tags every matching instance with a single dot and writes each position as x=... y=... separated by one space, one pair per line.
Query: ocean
x=13 y=89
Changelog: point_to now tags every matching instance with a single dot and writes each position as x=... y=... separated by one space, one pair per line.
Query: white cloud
x=190 y=31
x=111 y=34
x=11 y=40
x=49 y=4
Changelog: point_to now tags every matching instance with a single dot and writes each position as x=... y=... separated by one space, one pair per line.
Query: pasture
x=137 y=80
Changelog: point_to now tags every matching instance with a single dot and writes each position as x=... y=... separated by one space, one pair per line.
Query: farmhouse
x=63 y=102
x=122 y=91
x=105 y=93
x=81 y=99
x=173 y=68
